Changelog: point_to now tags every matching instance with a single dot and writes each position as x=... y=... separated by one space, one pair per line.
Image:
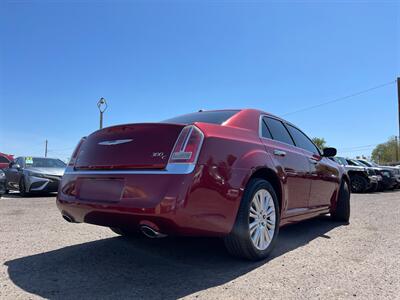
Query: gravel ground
x=41 y=255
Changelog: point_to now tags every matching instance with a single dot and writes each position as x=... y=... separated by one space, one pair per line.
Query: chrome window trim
x=284 y=124
x=193 y=127
x=260 y=131
x=175 y=168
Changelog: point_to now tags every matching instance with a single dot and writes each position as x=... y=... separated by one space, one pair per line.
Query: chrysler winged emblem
x=115 y=142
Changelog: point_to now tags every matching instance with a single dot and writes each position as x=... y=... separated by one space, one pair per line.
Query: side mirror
x=16 y=166
x=329 y=152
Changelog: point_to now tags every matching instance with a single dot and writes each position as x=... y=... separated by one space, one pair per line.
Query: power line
x=358 y=147
x=353 y=151
x=341 y=98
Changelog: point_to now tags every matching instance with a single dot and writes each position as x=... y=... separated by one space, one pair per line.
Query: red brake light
x=75 y=153
x=187 y=147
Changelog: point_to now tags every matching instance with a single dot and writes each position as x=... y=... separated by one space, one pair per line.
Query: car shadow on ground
x=166 y=269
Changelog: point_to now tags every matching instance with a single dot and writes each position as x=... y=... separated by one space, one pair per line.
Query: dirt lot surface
x=41 y=255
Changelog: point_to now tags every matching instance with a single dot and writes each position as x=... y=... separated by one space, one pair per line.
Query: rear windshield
x=214 y=117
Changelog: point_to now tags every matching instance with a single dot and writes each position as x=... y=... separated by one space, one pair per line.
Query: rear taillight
x=188 y=145
x=76 y=152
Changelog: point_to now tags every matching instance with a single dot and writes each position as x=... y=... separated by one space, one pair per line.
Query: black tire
x=342 y=209
x=127 y=232
x=22 y=188
x=358 y=183
x=238 y=242
x=373 y=188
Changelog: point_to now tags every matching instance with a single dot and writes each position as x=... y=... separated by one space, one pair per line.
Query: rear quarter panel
x=228 y=158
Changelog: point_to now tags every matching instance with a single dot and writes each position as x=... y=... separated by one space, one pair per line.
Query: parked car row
x=28 y=174
x=367 y=176
x=390 y=175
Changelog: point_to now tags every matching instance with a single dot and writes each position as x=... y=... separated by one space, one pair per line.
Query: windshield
x=355 y=163
x=365 y=163
x=39 y=162
x=214 y=117
x=341 y=160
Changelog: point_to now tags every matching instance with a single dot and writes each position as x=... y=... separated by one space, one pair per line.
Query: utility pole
x=102 y=105
x=398 y=107
x=45 y=149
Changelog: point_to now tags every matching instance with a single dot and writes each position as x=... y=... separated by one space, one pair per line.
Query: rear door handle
x=279 y=152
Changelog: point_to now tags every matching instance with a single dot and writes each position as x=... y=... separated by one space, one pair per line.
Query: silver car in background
x=28 y=174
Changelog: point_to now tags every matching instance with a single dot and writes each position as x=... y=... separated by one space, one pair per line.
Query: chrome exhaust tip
x=151 y=233
x=68 y=219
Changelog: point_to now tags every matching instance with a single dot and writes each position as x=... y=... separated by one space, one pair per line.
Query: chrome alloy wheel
x=262 y=219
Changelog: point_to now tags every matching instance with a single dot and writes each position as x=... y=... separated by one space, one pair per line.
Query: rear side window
x=278 y=130
x=214 y=117
x=301 y=140
x=265 y=131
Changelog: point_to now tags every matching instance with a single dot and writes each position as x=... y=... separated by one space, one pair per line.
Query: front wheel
x=341 y=212
x=257 y=222
x=22 y=188
x=358 y=184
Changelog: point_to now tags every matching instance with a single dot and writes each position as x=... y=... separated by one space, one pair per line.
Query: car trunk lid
x=130 y=146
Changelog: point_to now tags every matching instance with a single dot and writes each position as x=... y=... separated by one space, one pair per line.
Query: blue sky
x=155 y=59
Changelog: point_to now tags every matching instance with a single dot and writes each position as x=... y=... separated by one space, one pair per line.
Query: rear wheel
x=257 y=223
x=342 y=210
x=358 y=184
x=126 y=232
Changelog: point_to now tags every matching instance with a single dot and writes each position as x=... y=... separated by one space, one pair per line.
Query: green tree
x=386 y=152
x=319 y=142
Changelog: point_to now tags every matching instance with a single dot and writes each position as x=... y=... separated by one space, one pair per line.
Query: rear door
x=295 y=166
x=324 y=175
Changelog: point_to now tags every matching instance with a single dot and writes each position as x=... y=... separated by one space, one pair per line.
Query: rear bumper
x=202 y=202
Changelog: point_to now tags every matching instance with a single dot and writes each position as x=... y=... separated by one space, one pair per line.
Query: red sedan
x=5 y=160
x=237 y=174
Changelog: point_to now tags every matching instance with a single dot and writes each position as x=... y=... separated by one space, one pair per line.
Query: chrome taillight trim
x=179 y=168
x=192 y=127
